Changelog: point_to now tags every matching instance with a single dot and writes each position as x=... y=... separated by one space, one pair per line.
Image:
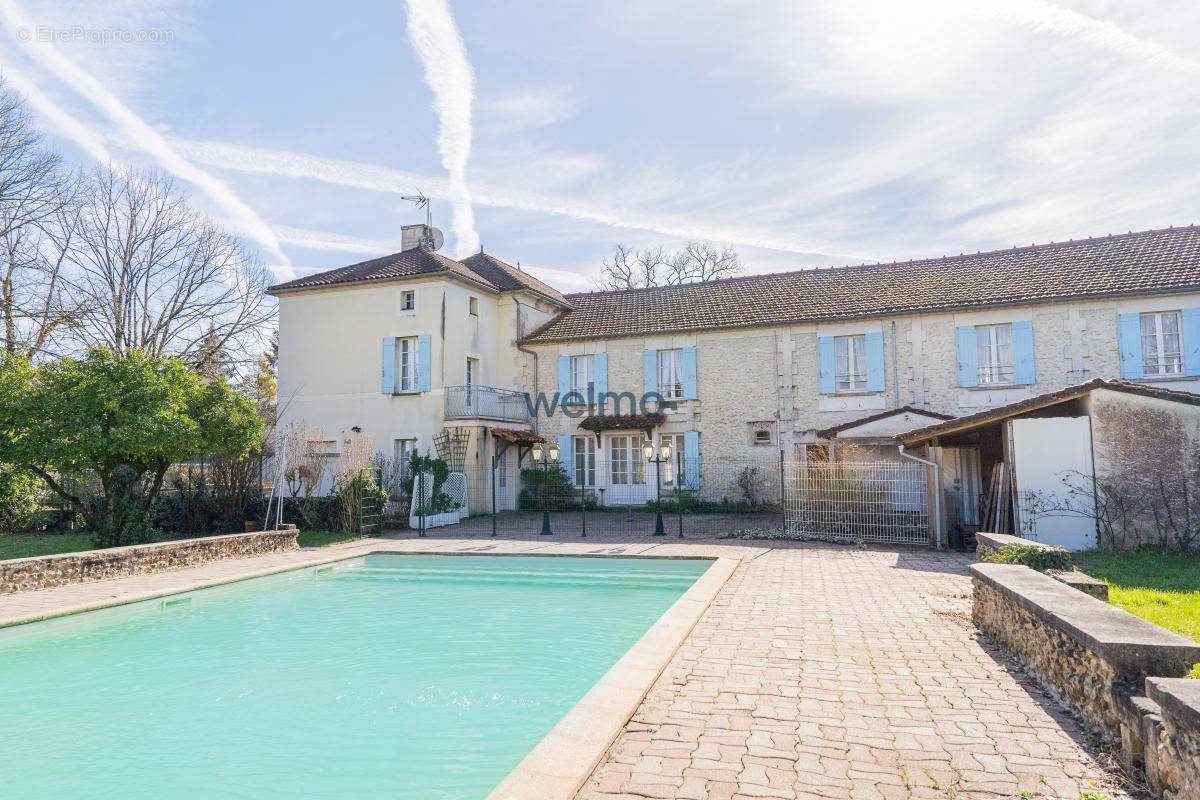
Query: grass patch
x=1162 y=588
x=25 y=545
x=323 y=538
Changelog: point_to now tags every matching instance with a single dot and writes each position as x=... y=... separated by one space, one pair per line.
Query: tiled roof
x=408 y=263
x=1135 y=263
x=516 y=435
x=509 y=278
x=598 y=423
x=894 y=412
x=991 y=415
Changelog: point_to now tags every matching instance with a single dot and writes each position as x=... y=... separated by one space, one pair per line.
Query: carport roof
x=981 y=418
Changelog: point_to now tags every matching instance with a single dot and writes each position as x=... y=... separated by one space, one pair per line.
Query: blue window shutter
x=649 y=371
x=600 y=373
x=1024 y=367
x=875 y=363
x=564 y=376
x=1129 y=344
x=968 y=364
x=565 y=456
x=388 y=366
x=691 y=460
x=424 y=363
x=827 y=364
x=1189 y=319
x=689 y=373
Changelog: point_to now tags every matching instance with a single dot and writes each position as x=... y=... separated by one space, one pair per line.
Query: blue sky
x=802 y=133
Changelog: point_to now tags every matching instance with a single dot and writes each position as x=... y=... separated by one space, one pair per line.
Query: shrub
x=1039 y=558
x=551 y=487
x=19 y=497
x=1194 y=673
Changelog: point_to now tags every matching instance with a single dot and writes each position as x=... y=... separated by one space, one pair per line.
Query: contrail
x=145 y=137
x=383 y=179
x=68 y=125
x=448 y=72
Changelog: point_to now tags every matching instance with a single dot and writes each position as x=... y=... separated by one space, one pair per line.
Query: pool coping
x=558 y=766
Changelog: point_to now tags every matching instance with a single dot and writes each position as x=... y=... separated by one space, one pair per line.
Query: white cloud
x=47 y=55
x=528 y=108
x=434 y=36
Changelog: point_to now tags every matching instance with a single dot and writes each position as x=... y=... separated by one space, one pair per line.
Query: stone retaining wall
x=45 y=572
x=1121 y=673
x=988 y=543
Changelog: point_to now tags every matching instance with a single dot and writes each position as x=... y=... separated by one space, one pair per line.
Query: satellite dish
x=436 y=238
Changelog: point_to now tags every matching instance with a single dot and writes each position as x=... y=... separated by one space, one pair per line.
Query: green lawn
x=24 y=545
x=1162 y=588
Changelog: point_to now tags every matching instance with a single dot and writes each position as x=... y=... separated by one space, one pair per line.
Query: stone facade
x=1101 y=662
x=45 y=572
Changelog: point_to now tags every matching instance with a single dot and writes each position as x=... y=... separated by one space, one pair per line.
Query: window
x=408 y=300
x=406 y=363
x=584 y=448
x=851 y=368
x=1162 y=353
x=583 y=375
x=670 y=374
x=626 y=467
x=670 y=468
x=472 y=372
x=994 y=354
x=502 y=469
x=327 y=448
x=473 y=306
x=762 y=436
x=402 y=452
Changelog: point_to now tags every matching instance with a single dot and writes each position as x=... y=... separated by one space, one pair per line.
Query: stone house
x=748 y=367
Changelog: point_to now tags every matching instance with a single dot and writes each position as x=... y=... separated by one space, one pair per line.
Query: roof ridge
x=897 y=263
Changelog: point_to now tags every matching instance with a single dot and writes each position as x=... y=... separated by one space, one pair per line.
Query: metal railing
x=877 y=501
x=486 y=402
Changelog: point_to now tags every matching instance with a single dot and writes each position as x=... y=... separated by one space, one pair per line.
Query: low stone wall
x=45 y=572
x=988 y=543
x=1101 y=661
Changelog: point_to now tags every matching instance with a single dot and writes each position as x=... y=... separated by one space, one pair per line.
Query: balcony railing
x=486 y=402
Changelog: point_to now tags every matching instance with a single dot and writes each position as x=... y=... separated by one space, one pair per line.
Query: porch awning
x=516 y=435
x=626 y=422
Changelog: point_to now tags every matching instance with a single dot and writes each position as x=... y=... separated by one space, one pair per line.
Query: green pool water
x=386 y=676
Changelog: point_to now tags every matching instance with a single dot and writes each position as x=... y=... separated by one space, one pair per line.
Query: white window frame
x=677 y=452
x=407 y=367
x=993 y=370
x=850 y=359
x=670 y=374
x=1164 y=356
x=583 y=367
x=626 y=467
x=583 y=451
x=502 y=469
x=408 y=300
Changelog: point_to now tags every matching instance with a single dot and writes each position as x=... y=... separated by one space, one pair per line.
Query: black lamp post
x=545 y=459
x=658 y=457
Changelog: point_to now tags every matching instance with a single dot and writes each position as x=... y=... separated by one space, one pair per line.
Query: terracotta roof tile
x=405 y=264
x=509 y=278
x=1144 y=262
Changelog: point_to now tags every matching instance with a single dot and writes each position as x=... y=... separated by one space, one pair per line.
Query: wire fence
x=876 y=501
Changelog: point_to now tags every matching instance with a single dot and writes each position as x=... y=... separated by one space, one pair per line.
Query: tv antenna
x=420 y=201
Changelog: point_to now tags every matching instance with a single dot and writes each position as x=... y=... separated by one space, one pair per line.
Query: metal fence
x=875 y=501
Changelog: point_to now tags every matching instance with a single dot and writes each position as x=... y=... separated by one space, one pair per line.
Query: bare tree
x=701 y=261
x=38 y=220
x=155 y=275
x=628 y=268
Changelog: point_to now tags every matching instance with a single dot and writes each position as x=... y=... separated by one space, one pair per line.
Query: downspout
x=527 y=352
x=937 y=493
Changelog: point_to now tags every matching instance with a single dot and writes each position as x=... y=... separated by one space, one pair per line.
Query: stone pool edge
x=559 y=765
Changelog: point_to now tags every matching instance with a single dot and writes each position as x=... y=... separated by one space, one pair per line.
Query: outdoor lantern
x=648 y=450
x=537 y=452
x=666 y=451
x=554 y=452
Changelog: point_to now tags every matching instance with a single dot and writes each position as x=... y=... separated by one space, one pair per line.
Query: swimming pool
x=399 y=676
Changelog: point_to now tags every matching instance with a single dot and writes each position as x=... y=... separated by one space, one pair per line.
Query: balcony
x=486 y=402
